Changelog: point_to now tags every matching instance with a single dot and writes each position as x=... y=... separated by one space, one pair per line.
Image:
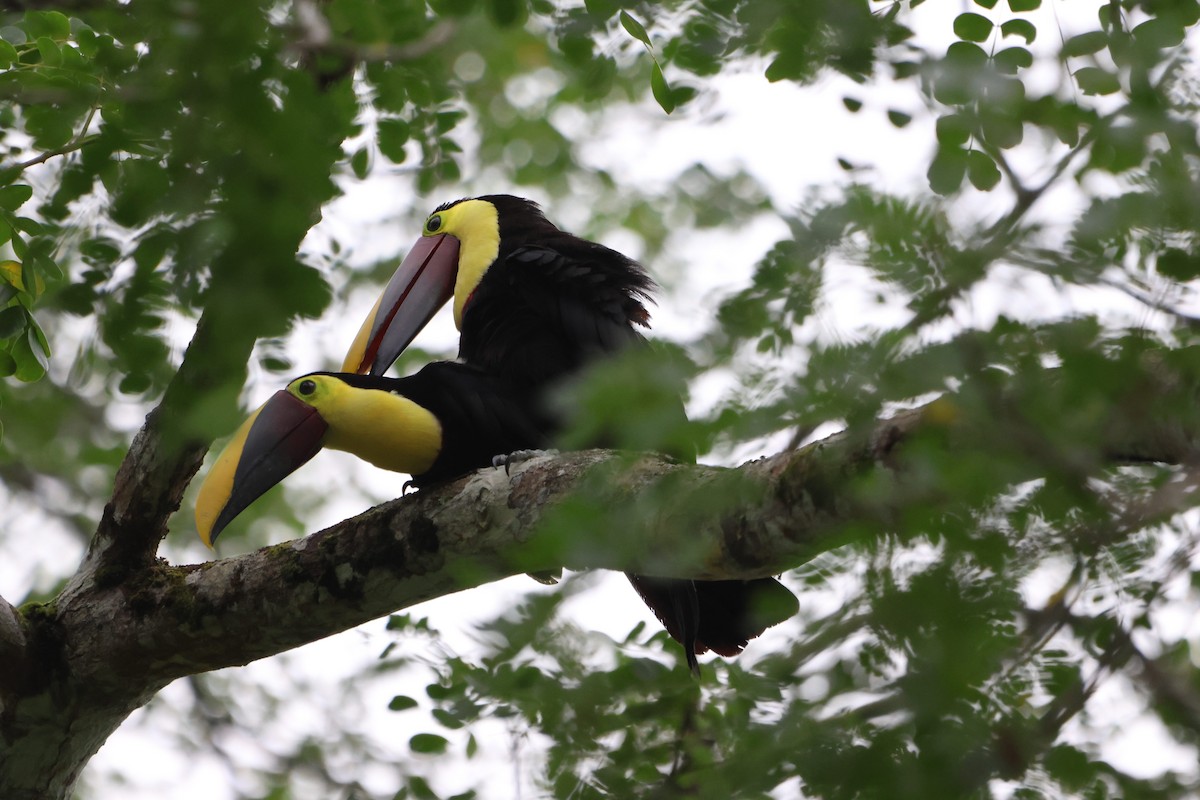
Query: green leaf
x=360 y=163
x=32 y=226
x=1105 y=14
x=31 y=363
x=947 y=170
x=31 y=282
x=1159 y=33
x=402 y=702
x=973 y=27
x=1000 y=129
x=420 y=788
x=1178 y=265
x=660 y=89
x=135 y=383
x=276 y=364
x=12 y=197
x=50 y=126
x=1085 y=44
x=39 y=337
x=1096 y=81
x=898 y=118
x=507 y=13
x=48 y=50
x=954 y=80
x=1020 y=6
x=8 y=364
x=8 y=54
x=429 y=743
x=447 y=719
x=88 y=41
x=446 y=120
x=852 y=104
x=50 y=24
x=601 y=9
x=1019 y=27
x=12 y=321
x=953 y=130
x=965 y=55
x=48 y=266
x=982 y=171
x=1011 y=59
x=635 y=29
x=393 y=135
x=100 y=252
x=986 y=3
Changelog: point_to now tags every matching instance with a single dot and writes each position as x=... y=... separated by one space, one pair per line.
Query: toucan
x=533 y=305
x=439 y=423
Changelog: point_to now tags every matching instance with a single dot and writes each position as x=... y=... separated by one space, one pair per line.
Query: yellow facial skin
x=390 y=431
x=476 y=225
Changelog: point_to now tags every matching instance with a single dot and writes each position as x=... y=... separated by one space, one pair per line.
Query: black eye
x=307 y=387
x=434 y=224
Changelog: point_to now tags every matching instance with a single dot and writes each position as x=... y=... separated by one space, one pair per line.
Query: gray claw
x=517 y=456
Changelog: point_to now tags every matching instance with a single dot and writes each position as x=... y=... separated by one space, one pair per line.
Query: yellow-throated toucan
x=533 y=304
x=442 y=422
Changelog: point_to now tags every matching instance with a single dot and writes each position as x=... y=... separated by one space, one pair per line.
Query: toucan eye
x=434 y=224
x=307 y=387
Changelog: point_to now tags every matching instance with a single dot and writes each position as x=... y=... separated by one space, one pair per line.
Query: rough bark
x=105 y=647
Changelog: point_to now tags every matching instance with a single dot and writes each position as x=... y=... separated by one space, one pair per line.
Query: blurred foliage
x=163 y=162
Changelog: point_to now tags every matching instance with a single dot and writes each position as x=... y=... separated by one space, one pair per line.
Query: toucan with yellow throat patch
x=534 y=305
x=444 y=421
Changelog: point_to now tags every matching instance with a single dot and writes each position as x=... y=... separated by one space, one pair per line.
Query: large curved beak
x=273 y=443
x=422 y=284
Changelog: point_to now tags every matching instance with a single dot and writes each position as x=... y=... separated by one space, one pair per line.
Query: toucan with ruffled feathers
x=444 y=421
x=533 y=305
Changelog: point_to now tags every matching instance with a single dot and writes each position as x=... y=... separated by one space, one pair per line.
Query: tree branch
x=647 y=515
x=106 y=644
x=155 y=472
x=12 y=648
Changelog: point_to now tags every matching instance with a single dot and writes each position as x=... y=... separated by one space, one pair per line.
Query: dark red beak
x=276 y=441
x=421 y=285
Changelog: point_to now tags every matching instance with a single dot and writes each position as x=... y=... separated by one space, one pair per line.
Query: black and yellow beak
x=422 y=284
x=273 y=443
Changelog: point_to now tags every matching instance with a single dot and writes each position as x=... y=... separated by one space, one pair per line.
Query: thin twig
x=1183 y=317
x=69 y=147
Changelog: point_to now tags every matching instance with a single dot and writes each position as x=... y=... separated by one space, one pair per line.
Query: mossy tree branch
x=107 y=644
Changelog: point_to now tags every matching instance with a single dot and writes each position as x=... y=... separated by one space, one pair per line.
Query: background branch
x=12 y=647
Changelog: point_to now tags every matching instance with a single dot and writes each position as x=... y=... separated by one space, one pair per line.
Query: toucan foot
x=517 y=456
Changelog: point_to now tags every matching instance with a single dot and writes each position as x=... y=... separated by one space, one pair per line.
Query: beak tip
x=207 y=536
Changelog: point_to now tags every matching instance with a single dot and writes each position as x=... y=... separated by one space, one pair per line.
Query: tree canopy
x=976 y=396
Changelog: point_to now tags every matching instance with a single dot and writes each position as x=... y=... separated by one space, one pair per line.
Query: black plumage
x=551 y=302
x=547 y=305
